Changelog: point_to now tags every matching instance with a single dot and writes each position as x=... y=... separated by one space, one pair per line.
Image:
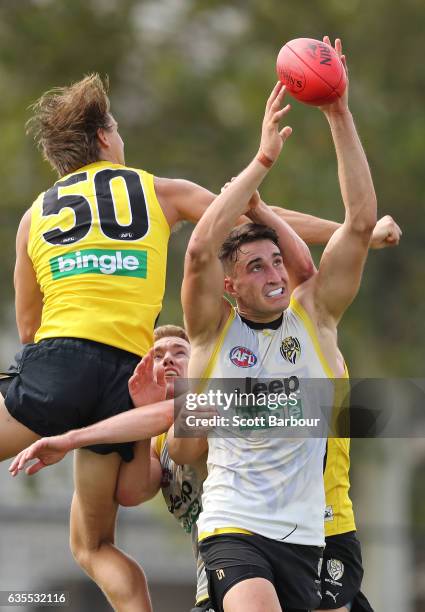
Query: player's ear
x=229 y=286
x=103 y=138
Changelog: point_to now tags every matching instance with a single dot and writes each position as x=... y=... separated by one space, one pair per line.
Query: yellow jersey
x=339 y=515
x=98 y=243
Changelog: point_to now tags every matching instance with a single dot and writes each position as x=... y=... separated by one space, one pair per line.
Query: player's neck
x=107 y=156
x=255 y=321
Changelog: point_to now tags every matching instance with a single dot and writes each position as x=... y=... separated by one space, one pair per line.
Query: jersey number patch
x=138 y=227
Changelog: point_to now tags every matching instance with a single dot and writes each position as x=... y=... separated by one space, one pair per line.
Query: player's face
x=259 y=281
x=172 y=354
x=116 y=144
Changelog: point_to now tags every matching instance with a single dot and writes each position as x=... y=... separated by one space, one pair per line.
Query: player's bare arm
x=329 y=293
x=138 y=424
x=186 y=451
x=314 y=230
x=296 y=254
x=28 y=297
x=204 y=307
x=181 y=199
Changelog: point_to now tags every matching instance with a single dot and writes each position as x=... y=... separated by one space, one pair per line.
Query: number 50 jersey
x=98 y=244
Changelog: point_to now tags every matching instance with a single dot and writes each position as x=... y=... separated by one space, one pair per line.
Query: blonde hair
x=165 y=331
x=65 y=122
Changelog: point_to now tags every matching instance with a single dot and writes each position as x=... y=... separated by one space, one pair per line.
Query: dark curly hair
x=244 y=234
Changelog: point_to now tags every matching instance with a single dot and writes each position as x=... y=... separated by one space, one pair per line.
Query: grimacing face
x=172 y=353
x=259 y=281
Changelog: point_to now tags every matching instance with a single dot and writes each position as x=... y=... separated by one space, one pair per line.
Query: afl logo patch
x=290 y=349
x=242 y=357
x=335 y=568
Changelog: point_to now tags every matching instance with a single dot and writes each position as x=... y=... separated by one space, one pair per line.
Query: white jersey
x=263 y=484
x=181 y=487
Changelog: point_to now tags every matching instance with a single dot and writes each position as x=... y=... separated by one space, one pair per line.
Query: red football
x=311 y=71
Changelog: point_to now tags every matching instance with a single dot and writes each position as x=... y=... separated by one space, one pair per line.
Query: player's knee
x=84 y=552
x=80 y=553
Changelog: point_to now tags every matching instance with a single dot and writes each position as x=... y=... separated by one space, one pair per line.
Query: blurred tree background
x=188 y=83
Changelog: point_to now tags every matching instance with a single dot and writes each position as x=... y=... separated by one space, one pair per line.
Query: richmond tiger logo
x=290 y=349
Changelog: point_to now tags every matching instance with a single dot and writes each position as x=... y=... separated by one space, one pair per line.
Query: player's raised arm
x=202 y=290
x=296 y=254
x=341 y=266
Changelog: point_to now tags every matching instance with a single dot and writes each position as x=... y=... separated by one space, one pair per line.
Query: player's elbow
x=306 y=269
x=176 y=452
x=363 y=229
x=27 y=324
x=364 y=221
x=26 y=333
x=199 y=254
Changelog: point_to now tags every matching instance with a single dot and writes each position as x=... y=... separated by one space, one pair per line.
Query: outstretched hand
x=47 y=451
x=272 y=138
x=340 y=105
x=144 y=386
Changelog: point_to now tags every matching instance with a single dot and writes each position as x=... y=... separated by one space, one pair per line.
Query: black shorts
x=293 y=569
x=5 y=382
x=342 y=574
x=60 y=384
x=203 y=606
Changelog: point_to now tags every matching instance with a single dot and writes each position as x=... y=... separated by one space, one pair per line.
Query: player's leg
x=132 y=485
x=93 y=515
x=252 y=595
x=13 y=435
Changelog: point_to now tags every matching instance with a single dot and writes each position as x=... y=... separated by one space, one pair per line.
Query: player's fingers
x=279 y=99
x=285 y=133
x=14 y=465
x=327 y=40
x=139 y=369
x=160 y=376
x=35 y=467
x=338 y=46
x=279 y=114
x=25 y=457
x=273 y=95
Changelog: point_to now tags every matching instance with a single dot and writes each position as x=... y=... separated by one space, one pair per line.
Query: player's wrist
x=337 y=114
x=264 y=159
x=72 y=440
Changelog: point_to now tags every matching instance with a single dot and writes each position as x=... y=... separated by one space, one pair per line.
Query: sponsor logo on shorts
x=334 y=596
x=220 y=574
x=290 y=349
x=329 y=513
x=100 y=261
x=335 y=568
x=242 y=357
